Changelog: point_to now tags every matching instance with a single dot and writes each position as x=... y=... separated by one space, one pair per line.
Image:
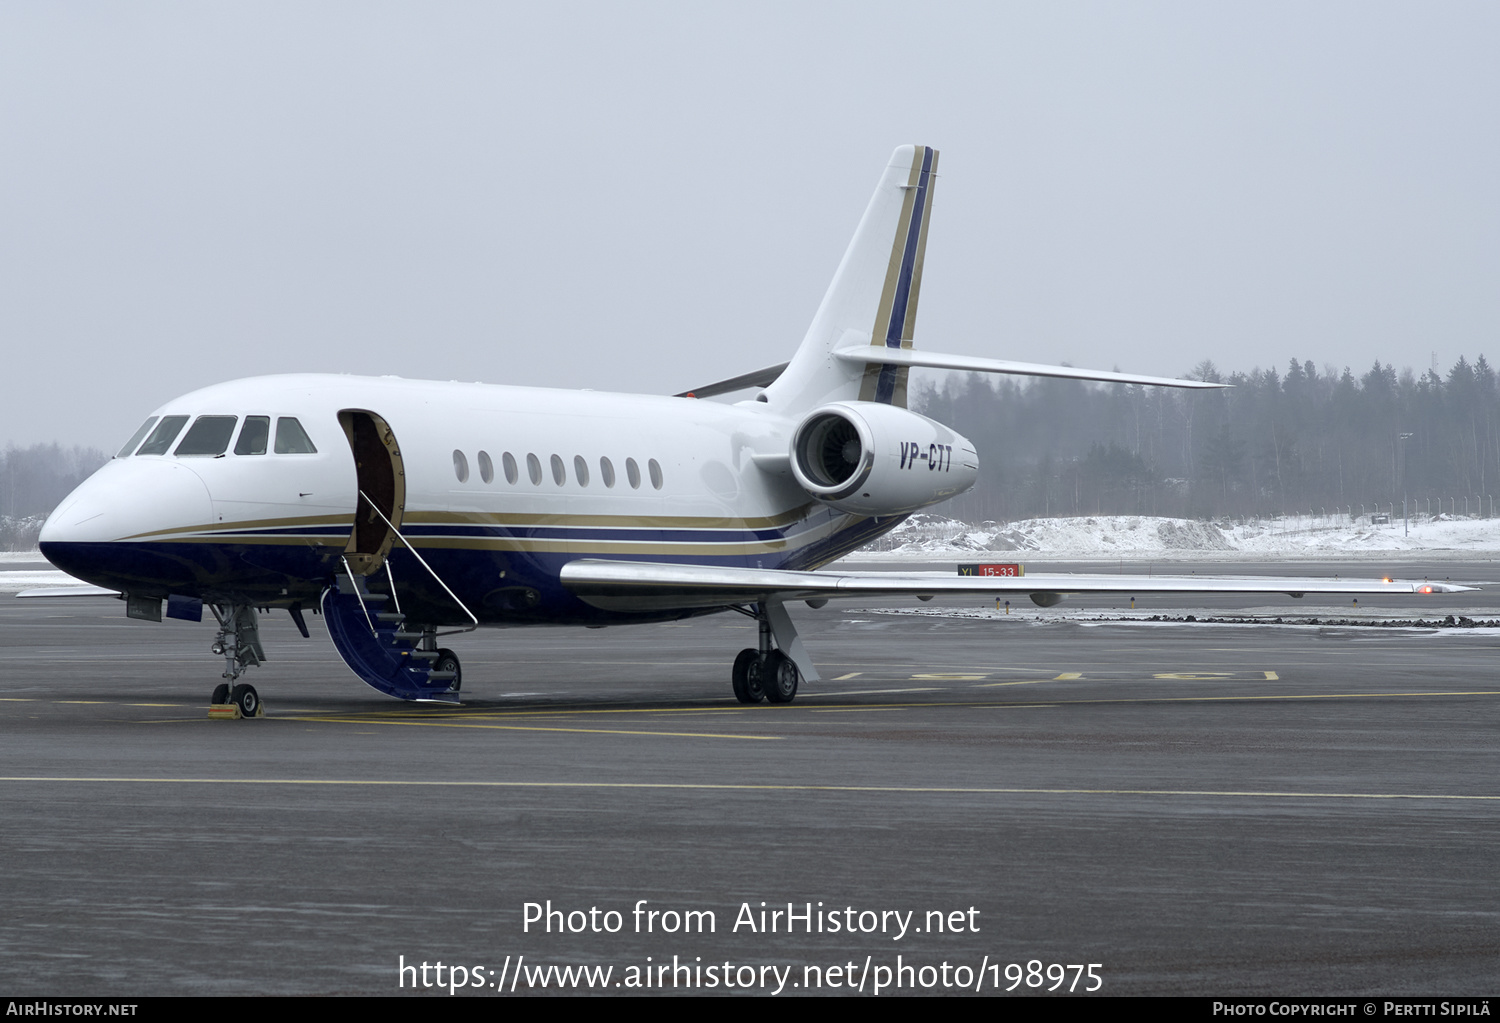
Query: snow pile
x=1139 y=537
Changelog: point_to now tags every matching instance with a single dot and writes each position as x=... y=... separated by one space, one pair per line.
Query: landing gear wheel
x=747 y=677
x=779 y=678
x=220 y=696
x=447 y=660
x=246 y=699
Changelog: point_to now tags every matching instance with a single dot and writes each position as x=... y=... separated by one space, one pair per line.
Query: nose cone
x=100 y=530
x=128 y=499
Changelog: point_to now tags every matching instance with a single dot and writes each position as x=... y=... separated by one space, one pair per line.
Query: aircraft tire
x=220 y=696
x=448 y=661
x=246 y=699
x=746 y=677
x=780 y=678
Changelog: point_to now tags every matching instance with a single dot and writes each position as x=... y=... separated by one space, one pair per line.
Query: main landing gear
x=771 y=673
x=445 y=665
x=239 y=642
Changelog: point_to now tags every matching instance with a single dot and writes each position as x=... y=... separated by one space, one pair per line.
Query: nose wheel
x=238 y=642
x=239 y=701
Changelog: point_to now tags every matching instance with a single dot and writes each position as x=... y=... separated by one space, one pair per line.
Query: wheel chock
x=231 y=711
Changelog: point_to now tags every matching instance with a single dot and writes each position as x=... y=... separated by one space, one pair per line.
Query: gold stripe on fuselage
x=437 y=518
x=224 y=534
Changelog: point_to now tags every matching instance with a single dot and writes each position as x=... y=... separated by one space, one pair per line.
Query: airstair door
x=382 y=489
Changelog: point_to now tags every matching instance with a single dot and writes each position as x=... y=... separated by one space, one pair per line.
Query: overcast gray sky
x=648 y=196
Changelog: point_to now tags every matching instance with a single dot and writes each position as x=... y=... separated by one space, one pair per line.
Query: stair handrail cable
x=407 y=544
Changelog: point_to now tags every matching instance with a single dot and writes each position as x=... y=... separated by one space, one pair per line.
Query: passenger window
x=253 y=436
x=655 y=469
x=291 y=439
x=486 y=467
x=559 y=471
x=460 y=466
x=534 y=469
x=509 y=462
x=136 y=438
x=162 y=437
x=580 y=470
x=607 y=472
x=633 y=473
x=209 y=435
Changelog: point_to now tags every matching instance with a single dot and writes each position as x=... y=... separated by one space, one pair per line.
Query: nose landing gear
x=239 y=643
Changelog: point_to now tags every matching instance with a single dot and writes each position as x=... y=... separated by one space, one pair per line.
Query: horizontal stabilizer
x=871 y=355
x=756 y=378
x=645 y=586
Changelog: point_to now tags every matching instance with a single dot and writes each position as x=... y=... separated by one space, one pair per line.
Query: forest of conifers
x=1299 y=441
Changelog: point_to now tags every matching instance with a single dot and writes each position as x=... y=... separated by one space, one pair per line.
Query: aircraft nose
x=126 y=499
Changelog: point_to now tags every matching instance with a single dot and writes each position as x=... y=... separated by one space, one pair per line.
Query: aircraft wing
x=81 y=590
x=644 y=586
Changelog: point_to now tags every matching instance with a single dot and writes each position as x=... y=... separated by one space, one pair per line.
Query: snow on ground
x=1130 y=537
x=16 y=581
x=925 y=537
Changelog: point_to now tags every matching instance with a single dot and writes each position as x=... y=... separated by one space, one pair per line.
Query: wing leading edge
x=643 y=586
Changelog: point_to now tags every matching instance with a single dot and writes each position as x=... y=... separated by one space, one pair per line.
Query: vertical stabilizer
x=873 y=297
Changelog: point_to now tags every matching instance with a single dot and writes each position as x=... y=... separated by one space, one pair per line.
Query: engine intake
x=874 y=459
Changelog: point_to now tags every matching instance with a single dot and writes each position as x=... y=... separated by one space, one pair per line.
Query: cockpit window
x=291 y=439
x=209 y=435
x=253 y=437
x=136 y=439
x=162 y=437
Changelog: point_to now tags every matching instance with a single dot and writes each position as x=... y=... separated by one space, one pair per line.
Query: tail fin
x=873 y=297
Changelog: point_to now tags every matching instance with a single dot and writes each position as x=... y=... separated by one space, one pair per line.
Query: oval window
x=460 y=466
x=580 y=470
x=508 y=462
x=633 y=473
x=607 y=472
x=655 y=469
x=559 y=471
x=534 y=469
x=486 y=467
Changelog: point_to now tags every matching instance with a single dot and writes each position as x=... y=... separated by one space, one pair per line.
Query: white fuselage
x=501 y=486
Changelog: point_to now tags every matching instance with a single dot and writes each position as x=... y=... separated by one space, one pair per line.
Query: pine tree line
x=1274 y=443
x=32 y=482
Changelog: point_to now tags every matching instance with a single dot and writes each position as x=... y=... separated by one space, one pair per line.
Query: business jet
x=404 y=511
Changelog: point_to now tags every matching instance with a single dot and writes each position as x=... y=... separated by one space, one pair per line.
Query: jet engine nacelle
x=873 y=459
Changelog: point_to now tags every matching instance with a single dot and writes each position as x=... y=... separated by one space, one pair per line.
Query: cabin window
x=209 y=435
x=136 y=438
x=508 y=461
x=607 y=472
x=162 y=437
x=654 y=468
x=559 y=471
x=291 y=439
x=534 y=469
x=486 y=467
x=460 y=466
x=253 y=436
x=580 y=470
x=633 y=473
